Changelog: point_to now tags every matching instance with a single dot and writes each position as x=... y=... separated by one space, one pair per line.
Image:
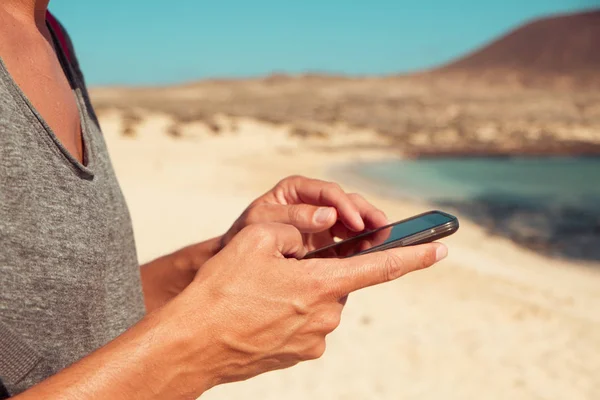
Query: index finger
x=321 y=193
x=350 y=274
x=372 y=216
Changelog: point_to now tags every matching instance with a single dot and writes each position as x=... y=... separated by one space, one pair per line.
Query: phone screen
x=383 y=236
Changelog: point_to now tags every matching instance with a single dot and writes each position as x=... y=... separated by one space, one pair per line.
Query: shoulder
x=64 y=39
x=61 y=34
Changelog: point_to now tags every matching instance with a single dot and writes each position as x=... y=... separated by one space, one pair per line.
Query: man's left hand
x=320 y=210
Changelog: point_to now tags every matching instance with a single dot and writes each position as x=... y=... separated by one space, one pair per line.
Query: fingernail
x=323 y=214
x=360 y=224
x=441 y=252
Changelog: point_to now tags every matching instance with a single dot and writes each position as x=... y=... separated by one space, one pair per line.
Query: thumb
x=350 y=274
x=304 y=217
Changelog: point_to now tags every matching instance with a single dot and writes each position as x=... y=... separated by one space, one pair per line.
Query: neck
x=27 y=10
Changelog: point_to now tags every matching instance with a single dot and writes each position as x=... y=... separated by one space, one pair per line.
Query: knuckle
x=333 y=288
x=291 y=178
x=316 y=351
x=331 y=190
x=295 y=214
x=251 y=216
x=257 y=233
x=331 y=321
x=319 y=349
x=334 y=187
x=356 y=197
x=426 y=257
x=394 y=267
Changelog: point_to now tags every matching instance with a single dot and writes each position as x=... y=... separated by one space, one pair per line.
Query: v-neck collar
x=85 y=168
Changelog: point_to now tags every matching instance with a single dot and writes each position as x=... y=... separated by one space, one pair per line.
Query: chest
x=60 y=221
x=38 y=72
x=68 y=264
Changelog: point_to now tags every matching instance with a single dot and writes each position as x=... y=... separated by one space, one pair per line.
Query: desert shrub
x=174 y=130
x=213 y=127
x=305 y=133
x=131 y=120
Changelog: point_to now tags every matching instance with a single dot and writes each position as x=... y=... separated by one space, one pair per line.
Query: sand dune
x=492 y=322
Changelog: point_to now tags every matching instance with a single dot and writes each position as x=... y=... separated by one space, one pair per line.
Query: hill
x=560 y=50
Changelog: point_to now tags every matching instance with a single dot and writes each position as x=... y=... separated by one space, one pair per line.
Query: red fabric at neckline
x=60 y=35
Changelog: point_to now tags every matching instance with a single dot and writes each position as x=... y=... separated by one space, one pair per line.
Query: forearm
x=149 y=361
x=165 y=277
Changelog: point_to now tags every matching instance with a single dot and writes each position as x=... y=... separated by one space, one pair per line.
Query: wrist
x=151 y=360
x=170 y=368
x=190 y=353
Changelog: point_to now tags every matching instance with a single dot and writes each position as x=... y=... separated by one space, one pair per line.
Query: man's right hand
x=252 y=308
x=264 y=309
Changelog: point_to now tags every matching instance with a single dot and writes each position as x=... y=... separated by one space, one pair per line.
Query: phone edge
x=442 y=231
x=452 y=217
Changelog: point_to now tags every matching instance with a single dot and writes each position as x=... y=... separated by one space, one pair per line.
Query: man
x=79 y=319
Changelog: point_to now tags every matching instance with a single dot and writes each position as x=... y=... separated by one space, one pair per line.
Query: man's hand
x=252 y=308
x=319 y=210
x=267 y=310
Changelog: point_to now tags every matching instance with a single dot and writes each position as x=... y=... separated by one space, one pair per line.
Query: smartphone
x=422 y=228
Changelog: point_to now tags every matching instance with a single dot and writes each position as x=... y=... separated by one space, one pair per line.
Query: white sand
x=493 y=321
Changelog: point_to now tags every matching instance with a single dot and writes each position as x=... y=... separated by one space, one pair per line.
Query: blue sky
x=162 y=42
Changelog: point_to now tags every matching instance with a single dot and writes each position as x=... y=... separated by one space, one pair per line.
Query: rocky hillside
x=559 y=50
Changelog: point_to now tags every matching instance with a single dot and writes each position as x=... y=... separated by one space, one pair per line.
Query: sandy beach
x=493 y=321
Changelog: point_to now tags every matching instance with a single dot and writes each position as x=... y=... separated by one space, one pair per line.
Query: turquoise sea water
x=547 y=204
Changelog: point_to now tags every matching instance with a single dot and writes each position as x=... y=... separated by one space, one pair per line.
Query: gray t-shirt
x=69 y=274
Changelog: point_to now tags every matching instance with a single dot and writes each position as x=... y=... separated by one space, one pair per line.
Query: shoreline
x=530 y=225
x=562 y=149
